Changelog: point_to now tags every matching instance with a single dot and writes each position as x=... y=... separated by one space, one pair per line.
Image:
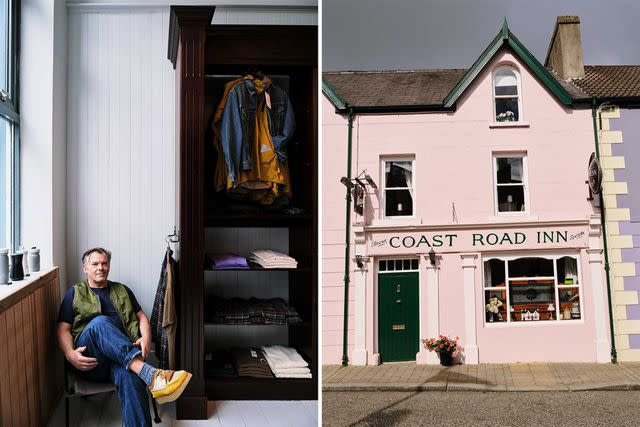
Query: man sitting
x=104 y=334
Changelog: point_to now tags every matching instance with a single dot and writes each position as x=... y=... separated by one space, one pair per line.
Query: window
x=9 y=125
x=398 y=187
x=506 y=95
x=510 y=184
x=530 y=289
x=391 y=265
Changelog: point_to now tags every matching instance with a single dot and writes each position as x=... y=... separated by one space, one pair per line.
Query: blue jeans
x=114 y=351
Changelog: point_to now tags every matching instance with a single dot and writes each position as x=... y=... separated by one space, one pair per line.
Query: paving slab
x=520 y=377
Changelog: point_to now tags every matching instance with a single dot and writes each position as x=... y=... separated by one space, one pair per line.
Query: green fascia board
x=506 y=36
x=334 y=97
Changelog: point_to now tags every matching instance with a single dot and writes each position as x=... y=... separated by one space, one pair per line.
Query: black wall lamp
x=432 y=256
x=357 y=186
x=359 y=261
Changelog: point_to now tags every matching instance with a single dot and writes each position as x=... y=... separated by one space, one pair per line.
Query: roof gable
x=506 y=38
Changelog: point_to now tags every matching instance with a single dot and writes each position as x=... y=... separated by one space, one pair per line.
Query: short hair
x=87 y=254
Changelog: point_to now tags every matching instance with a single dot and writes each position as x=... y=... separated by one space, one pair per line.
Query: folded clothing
x=307 y=375
x=227 y=261
x=286 y=362
x=267 y=258
x=254 y=311
x=250 y=362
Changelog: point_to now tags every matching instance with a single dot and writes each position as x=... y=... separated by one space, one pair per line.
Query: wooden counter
x=30 y=362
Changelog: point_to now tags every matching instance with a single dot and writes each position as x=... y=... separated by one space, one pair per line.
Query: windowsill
x=508 y=125
x=390 y=222
x=514 y=217
x=533 y=323
x=8 y=290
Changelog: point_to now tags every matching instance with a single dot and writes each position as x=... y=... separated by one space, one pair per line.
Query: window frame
x=518 y=96
x=553 y=256
x=525 y=183
x=9 y=111
x=383 y=181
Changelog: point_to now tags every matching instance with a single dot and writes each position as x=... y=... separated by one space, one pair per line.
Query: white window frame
x=525 y=183
x=519 y=96
x=383 y=181
x=403 y=270
x=554 y=256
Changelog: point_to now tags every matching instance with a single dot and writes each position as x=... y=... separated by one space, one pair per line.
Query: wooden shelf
x=245 y=388
x=298 y=324
x=256 y=218
x=255 y=267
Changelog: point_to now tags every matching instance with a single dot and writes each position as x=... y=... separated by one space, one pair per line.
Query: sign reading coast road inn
x=468 y=214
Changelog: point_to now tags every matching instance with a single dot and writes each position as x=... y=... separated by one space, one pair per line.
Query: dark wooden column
x=187 y=37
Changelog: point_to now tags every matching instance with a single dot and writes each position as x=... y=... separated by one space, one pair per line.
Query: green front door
x=398 y=325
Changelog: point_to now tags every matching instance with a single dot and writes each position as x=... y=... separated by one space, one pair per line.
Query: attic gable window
x=506 y=95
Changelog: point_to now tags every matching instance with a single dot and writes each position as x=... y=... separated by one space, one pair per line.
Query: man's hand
x=79 y=361
x=144 y=343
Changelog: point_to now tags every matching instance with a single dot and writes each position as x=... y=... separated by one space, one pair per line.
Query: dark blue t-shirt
x=66 y=308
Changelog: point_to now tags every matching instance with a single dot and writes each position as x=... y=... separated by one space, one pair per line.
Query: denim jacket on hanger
x=237 y=127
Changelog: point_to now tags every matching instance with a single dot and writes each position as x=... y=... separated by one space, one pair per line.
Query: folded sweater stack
x=267 y=258
x=285 y=362
x=248 y=362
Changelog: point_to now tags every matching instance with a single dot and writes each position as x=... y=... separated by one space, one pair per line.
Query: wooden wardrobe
x=199 y=52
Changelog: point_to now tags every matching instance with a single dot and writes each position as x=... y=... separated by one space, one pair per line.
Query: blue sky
x=418 y=34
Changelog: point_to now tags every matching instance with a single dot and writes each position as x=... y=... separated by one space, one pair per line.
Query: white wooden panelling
x=246 y=284
x=121 y=144
x=229 y=15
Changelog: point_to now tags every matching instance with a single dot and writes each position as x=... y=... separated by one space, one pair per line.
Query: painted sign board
x=477 y=240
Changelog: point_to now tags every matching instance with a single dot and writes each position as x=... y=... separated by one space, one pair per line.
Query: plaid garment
x=159 y=333
x=254 y=311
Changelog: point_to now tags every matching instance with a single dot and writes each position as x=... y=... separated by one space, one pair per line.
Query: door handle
x=397 y=288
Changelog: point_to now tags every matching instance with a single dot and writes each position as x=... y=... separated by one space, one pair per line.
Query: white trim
x=153 y=3
x=505 y=222
x=550 y=255
x=514 y=69
x=429 y=311
x=383 y=187
x=471 y=346
x=359 y=356
x=525 y=183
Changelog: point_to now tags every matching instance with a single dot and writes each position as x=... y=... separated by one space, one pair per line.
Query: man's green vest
x=86 y=306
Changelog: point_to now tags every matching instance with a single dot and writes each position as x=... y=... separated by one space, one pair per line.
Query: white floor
x=104 y=411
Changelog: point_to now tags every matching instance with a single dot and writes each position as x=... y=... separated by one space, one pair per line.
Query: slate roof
x=394 y=88
x=610 y=81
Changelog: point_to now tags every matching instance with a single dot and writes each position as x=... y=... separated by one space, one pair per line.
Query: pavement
x=408 y=376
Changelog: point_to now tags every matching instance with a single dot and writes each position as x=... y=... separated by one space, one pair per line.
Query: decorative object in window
x=506 y=95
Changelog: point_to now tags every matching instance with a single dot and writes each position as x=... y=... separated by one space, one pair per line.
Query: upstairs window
x=9 y=126
x=510 y=184
x=506 y=95
x=398 y=187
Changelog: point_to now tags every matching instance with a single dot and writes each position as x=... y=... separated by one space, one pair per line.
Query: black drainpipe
x=614 y=353
x=345 y=359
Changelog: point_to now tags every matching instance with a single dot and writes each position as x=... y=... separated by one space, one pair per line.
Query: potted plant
x=446 y=347
x=507 y=116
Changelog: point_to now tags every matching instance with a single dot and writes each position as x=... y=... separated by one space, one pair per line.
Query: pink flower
x=457 y=338
x=441 y=345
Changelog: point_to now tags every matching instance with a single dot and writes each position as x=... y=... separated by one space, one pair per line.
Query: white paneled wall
x=121 y=190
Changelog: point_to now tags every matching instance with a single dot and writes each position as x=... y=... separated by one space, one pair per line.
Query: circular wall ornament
x=594 y=174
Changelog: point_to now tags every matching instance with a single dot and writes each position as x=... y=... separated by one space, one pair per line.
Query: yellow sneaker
x=167 y=386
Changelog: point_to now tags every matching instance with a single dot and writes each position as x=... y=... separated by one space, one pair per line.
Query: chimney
x=565 y=49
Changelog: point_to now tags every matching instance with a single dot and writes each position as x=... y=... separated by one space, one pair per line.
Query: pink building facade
x=478 y=224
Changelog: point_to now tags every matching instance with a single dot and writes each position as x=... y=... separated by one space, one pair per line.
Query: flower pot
x=446 y=359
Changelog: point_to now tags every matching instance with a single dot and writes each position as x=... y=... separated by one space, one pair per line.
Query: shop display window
x=540 y=288
x=510 y=184
x=398 y=187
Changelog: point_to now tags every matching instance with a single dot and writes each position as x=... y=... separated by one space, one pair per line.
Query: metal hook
x=172 y=238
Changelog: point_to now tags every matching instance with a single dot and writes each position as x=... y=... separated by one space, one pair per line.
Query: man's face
x=97 y=268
